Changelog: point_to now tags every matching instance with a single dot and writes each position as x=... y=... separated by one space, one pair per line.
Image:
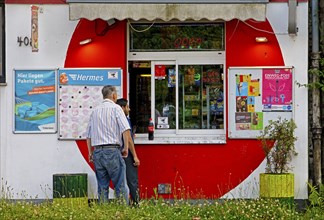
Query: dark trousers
x=132 y=178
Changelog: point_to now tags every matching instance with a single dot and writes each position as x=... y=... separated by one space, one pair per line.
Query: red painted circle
x=194 y=171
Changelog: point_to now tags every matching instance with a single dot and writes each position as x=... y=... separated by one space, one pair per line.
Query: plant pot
x=277 y=185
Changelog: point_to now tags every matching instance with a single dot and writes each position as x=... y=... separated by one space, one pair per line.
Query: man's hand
x=136 y=162
x=90 y=156
x=90 y=150
x=124 y=152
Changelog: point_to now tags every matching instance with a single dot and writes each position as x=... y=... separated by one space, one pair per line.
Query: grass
x=160 y=209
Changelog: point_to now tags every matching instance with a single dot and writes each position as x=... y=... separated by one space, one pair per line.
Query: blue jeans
x=109 y=165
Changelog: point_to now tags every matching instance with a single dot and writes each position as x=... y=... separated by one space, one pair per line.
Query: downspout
x=316 y=110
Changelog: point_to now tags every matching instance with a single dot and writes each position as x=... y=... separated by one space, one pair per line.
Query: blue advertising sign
x=79 y=93
x=35 y=101
x=90 y=77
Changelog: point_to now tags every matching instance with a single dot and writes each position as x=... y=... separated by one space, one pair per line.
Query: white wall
x=295 y=53
x=28 y=161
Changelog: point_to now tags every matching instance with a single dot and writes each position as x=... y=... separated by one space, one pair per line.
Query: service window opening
x=187 y=99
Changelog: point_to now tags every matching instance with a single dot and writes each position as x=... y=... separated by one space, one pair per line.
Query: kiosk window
x=176 y=77
x=184 y=97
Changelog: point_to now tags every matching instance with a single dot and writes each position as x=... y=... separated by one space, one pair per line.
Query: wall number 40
x=24 y=41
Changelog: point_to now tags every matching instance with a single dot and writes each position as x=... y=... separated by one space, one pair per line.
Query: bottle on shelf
x=151 y=130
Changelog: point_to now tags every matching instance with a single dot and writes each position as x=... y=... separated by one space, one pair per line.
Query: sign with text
x=79 y=94
x=35 y=101
x=257 y=95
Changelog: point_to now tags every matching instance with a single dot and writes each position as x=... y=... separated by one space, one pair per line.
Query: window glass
x=177 y=37
x=165 y=96
x=201 y=97
x=140 y=95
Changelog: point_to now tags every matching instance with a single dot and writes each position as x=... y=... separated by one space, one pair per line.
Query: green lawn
x=158 y=209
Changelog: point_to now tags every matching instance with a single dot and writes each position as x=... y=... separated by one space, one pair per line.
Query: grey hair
x=108 y=91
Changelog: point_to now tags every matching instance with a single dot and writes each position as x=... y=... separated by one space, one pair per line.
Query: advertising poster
x=257 y=95
x=80 y=93
x=35 y=101
x=171 y=78
x=277 y=90
x=247 y=92
x=160 y=72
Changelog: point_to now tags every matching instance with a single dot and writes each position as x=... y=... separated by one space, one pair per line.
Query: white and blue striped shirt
x=107 y=124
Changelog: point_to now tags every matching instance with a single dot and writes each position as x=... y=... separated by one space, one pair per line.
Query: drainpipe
x=316 y=107
x=292 y=16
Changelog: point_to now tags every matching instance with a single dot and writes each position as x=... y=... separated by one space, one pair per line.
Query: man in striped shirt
x=107 y=125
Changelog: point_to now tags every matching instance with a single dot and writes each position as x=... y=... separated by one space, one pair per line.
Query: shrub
x=278 y=144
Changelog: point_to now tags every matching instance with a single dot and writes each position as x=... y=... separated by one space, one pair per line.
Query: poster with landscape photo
x=35 y=101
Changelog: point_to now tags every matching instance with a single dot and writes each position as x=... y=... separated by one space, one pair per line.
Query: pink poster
x=277 y=89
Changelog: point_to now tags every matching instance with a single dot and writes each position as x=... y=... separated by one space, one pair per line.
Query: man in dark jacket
x=132 y=162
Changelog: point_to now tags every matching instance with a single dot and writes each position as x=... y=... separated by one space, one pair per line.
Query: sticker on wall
x=241 y=104
x=257 y=121
x=242 y=89
x=251 y=104
x=34 y=28
x=254 y=87
x=35 y=101
x=243 y=120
